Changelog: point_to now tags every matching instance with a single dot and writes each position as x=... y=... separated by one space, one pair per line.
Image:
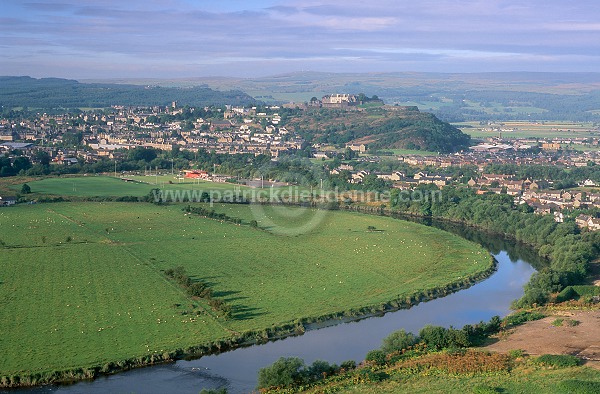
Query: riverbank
x=555 y=354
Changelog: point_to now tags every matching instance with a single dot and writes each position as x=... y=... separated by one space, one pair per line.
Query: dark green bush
x=348 y=365
x=557 y=360
x=521 y=317
x=376 y=357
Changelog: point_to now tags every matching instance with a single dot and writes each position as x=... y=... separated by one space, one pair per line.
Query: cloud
x=254 y=37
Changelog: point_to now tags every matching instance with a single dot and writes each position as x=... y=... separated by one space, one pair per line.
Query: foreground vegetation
x=437 y=360
x=91 y=287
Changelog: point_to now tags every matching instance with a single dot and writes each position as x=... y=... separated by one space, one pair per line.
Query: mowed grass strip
x=81 y=283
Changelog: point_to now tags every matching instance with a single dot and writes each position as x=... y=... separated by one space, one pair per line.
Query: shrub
x=434 y=336
x=493 y=326
x=457 y=338
x=348 y=365
x=521 y=317
x=376 y=357
x=368 y=375
x=319 y=370
x=557 y=360
x=572 y=323
x=516 y=353
x=197 y=289
x=558 y=322
x=398 y=341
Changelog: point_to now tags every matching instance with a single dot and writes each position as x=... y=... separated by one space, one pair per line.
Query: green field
x=81 y=283
x=527 y=129
x=108 y=186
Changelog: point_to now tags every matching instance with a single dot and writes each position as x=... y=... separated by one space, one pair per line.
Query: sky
x=84 y=39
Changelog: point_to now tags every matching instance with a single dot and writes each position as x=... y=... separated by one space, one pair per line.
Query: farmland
x=531 y=129
x=107 y=186
x=82 y=284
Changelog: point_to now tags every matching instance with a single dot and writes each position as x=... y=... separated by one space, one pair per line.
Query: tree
x=25 y=189
x=71 y=139
x=349 y=154
x=398 y=341
x=21 y=163
x=319 y=369
x=434 y=336
x=284 y=372
x=141 y=153
x=42 y=157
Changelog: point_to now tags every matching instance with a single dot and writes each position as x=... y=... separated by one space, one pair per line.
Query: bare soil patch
x=542 y=337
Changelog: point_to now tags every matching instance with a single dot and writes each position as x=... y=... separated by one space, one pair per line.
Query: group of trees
x=400 y=345
x=562 y=244
x=292 y=371
x=200 y=289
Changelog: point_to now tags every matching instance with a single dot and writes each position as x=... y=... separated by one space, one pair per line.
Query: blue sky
x=186 y=38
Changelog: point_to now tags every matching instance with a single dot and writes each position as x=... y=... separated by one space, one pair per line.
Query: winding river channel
x=237 y=369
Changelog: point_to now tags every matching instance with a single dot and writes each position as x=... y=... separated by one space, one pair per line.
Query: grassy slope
x=521 y=380
x=101 y=297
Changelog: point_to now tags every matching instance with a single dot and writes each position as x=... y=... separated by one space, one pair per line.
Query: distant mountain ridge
x=66 y=93
x=493 y=96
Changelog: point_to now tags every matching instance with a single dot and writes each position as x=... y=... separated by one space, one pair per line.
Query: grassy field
x=106 y=186
x=81 y=283
x=526 y=129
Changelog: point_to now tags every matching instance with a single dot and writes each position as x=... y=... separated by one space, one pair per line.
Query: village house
x=6 y=201
x=361 y=148
x=586 y=221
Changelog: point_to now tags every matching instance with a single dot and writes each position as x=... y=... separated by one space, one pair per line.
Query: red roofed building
x=196 y=174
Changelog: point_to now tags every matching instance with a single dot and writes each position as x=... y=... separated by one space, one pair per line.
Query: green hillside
x=65 y=93
x=387 y=127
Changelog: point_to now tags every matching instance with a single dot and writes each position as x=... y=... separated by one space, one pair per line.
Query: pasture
x=109 y=186
x=528 y=129
x=81 y=284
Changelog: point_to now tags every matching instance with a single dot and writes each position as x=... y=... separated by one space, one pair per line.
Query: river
x=237 y=370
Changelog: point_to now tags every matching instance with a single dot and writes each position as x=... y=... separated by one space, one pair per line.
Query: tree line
x=567 y=249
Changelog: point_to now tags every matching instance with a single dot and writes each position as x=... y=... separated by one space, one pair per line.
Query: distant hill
x=66 y=93
x=450 y=96
x=381 y=128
